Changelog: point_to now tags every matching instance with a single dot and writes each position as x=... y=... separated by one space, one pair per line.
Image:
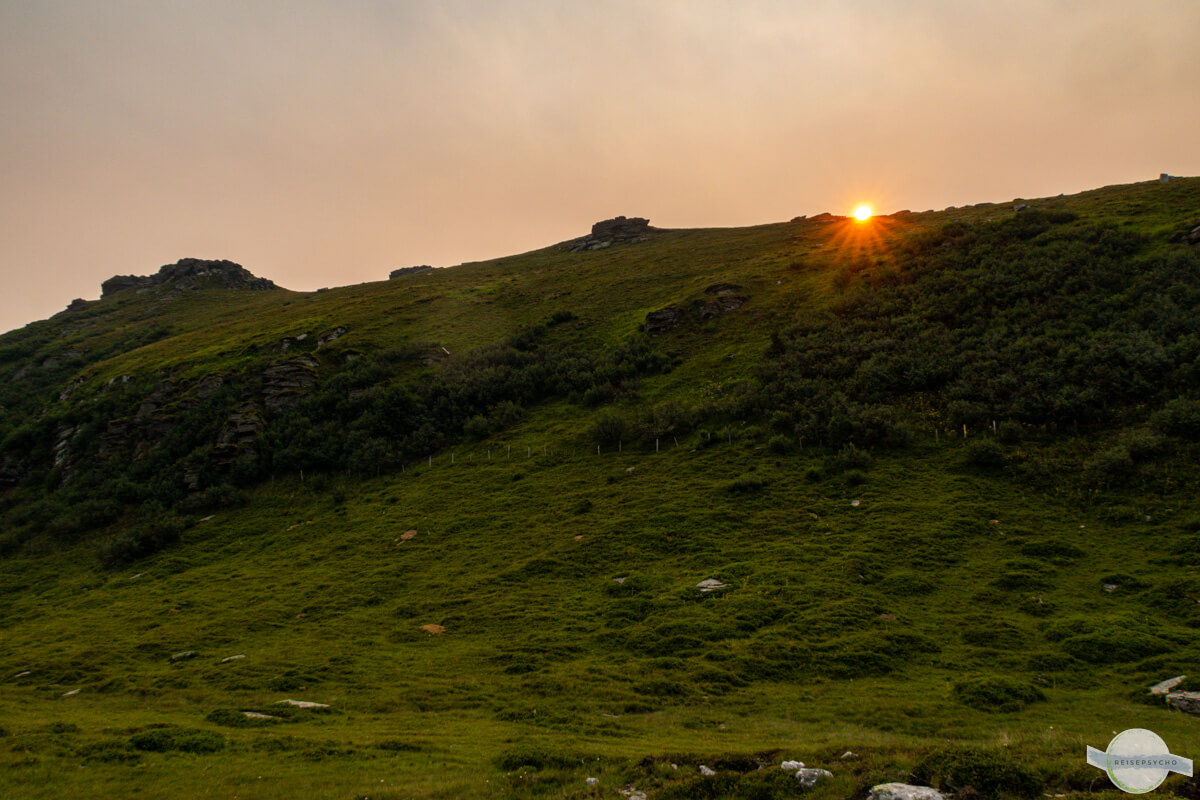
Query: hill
x=920 y=490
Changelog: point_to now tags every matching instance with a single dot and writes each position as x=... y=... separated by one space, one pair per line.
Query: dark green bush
x=184 y=740
x=996 y=694
x=984 y=454
x=990 y=773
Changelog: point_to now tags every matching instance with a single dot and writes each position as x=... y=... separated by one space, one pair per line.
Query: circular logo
x=1135 y=760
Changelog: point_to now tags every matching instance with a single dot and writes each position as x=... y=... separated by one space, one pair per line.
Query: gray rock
x=1187 y=702
x=189 y=273
x=904 y=791
x=183 y=656
x=1194 y=236
x=710 y=585
x=791 y=766
x=810 y=777
x=1165 y=687
x=706 y=771
x=663 y=320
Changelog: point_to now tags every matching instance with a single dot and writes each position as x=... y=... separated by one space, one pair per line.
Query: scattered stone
x=405 y=271
x=433 y=628
x=578 y=537
x=1165 y=687
x=23 y=674
x=257 y=715
x=809 y=777
x=183 y=656
x=72 y=693
x=705 y=771
x=791 y=766
x=856 y=503
x=302 y=704
x=592 y=781
x=710 y=585
x=135 y=577
x=209 y=517
x=407 y=535
x=1110 y=587
x=1187 y=702
x=631 y=793
x=227 y=659
x=848 y=756
x=621 y=579
x=904 y=791
x=331 y=336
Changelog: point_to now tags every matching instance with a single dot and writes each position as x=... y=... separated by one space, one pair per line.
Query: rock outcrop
x=285 y=382
x=607 y=232
x=189 y=273
x=903 y=791
x=406 y=271
x=720 y=298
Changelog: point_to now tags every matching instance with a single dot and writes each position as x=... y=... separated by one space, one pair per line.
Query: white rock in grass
x=302 y=704
x=705 y=771
x=809 y=777
x=1166 y=686
x=904 y=791
x=593 y=781
x=710 y=585
x=256 y=715
x=792 y=766
x=227 y=659
x=71 y=693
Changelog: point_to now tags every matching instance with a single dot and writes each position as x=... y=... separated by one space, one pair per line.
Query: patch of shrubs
x=184 y=740
x=990 y=773
x=142 y=539
x=995 y=694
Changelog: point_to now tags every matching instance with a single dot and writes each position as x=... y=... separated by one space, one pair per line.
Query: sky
x=325 y=143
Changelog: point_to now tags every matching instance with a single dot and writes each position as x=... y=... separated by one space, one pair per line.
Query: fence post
x=656 y=445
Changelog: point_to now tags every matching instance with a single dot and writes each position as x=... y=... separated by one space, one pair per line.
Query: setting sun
x=862 y=213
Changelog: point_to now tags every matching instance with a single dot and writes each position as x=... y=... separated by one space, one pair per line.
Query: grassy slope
x=542 y=647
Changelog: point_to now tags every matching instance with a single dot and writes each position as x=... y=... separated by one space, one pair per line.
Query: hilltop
x=921 y=489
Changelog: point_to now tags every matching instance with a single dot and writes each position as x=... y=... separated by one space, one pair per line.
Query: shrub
x=608 y=429
x=1179 y=417
x=185 y=740
x=1010 y=432
x=779 y=444
x=996 y=694
x=990 y=773
x=983 y=454
x=745 y=484
x=144 y=539
x=851 y=457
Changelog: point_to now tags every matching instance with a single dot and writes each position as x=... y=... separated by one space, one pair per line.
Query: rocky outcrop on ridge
x=189 y=273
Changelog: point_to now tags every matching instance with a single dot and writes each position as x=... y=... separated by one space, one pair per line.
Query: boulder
x=184 y=655
x=791 y=766
x=809 y=778
x=285 y=382
x=903 y=791
x=606 y=232
x=302 y=704
x=1193 y=236
x=1188 y=702
x=710 y=585
x=1165 y=687
x=706 y=771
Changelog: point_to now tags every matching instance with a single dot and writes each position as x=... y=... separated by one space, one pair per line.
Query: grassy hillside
x=941 y=467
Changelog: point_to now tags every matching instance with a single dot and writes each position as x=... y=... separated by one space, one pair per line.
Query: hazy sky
x=323 y=143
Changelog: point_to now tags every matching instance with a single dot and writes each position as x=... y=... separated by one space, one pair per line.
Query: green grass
x=935 y=609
